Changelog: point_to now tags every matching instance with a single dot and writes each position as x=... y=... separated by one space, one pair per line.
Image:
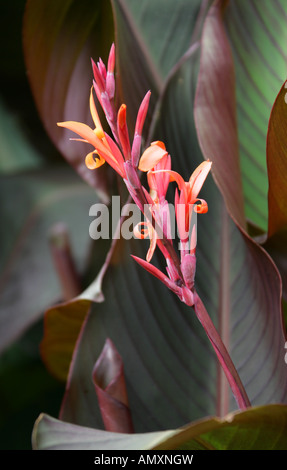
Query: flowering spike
x=156 y=161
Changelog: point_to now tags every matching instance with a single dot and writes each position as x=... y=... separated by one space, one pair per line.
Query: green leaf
x=143 y=36
x=262 y=428
x=277 y=164
x=59 y=39
x=173 y=20
x=32 y=203
x=257 y=33
x=275 y=242
x=16 y=152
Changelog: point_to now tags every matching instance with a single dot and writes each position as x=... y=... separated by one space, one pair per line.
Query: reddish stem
x=225 y=360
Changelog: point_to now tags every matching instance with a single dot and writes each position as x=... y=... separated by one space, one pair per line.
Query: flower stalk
x=124 y=156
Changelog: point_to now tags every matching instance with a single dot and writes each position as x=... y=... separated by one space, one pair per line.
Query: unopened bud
x=188 y=266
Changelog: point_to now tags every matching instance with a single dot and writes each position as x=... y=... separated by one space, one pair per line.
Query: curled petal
x=146 y=232
x=141 y=233
x=201 y=207
x=94 y=160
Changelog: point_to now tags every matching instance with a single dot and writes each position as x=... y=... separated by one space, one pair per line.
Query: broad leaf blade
x=143 y=36
x=226 y=258
x=29 y=283
x=262 y=428
x=59 y=40
x=52 y=434
x=215 y=111
x=277 y=164
x=257 y=34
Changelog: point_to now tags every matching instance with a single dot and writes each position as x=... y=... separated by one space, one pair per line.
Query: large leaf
x=275 y=243
x=29 y=282
x=277 y=164
x=258 y=37
x=263 y=428
x=143 y=61
x=63 y=322
x=59 y=40
x=215 y=111
x=168 y=361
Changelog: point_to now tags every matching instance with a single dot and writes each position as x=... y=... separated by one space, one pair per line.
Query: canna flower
x=159 y=175
x=186 y=200
x=116 y=151
x=158 y=184
x=106 y=150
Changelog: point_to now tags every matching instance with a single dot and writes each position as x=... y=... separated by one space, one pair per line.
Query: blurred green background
x=26 y=388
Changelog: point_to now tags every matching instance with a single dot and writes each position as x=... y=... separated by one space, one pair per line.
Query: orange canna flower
x=105 y=148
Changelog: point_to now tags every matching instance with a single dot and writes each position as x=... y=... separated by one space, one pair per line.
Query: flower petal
x=108 y=150
x=140 y=232
x=201 y=207
x=88 y=134
x=151 y=156
x=94 y=111
x=198 y=177
x=93 y=160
